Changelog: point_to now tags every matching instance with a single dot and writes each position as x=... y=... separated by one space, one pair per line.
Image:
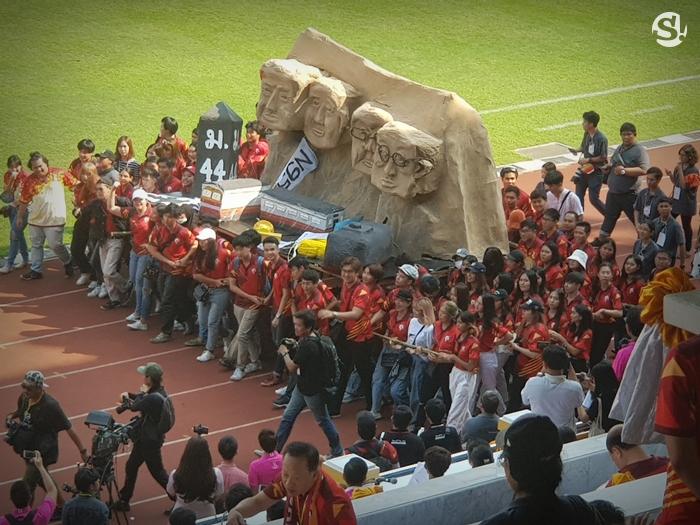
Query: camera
x=200 y=430
x=107 y=439
x=290 y=343
x=28 y=454
x=126 y=405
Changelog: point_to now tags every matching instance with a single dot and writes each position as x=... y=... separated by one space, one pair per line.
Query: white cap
x=462 y=253
x=580 y=257
x=206 y=233
x=139 y=194
x=410 y=270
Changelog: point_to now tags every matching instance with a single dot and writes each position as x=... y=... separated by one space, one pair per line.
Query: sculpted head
x=366 y=120
x=406 y=161
x=284 y=87
x=328 y=109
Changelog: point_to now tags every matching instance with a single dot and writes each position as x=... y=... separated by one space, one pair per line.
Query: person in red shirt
x=149 y=180
x=312 y=497
x=577 y=262
x=577 y=338
x=464 y=374
x=371 y=275
x=253 y=153
x=525 y=290
x=607 y=252
x=554 y=309
x=354 y=349
x=572 y=296
x=509 y=178
x=607 y=308
x=188 y=175
x=167 y=182
x=515 y=264
x=631 y=280
x=530 y=244
x=125 y=190
x=308 y=296
x=567 y=225
x=168 y=135
x=550 y=233
x=406 y=277
x=551 y=263
x=12 y=183
x=476 y=284
x=678 y=419
x=582 y=230
x=210 y=271
x=174 y=250
x=538 y=200
x=86 y=150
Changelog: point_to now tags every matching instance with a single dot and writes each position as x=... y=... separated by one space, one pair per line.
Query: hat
x=500 y=294
x=516 y=256
x=139 y=193
x=533 y=306
x=410 y=270
x=514 y=219
x=461 y=253
x=152 y=370
x=477 y=267
x=580 y=257
x=107 y=154
x=35 y=378
x=532 y=436
x=405 y=295
x=206 y=234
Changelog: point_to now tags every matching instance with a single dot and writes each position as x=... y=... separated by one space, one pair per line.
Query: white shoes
x=92 y=285
x=95 y=292
x=178 y=327
x=103 y=292
x=281 y=391
x=6 y=269
x=252 y=367
x=205 y=356
x=238 y=374
x=83 y=279
x=133 y=317
x=138 y=325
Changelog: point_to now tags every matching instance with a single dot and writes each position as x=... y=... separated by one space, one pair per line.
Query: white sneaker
x=178 y=327
x=252 y=367
x=281 y=391
x=83 y=279
x=103 y=292
x=21 y=264
x=95 y=292
x=238 y=374
x=205 y=356
x=133 y=317
x=6 y=269
x=92 y=285
x=138 y=325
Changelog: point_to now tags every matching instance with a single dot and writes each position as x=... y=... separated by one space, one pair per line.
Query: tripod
x=108 y=482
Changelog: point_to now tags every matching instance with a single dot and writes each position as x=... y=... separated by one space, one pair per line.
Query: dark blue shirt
x=85 y=510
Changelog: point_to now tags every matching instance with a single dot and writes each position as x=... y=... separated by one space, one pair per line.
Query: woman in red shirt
x=631 y=280
x=493 y=333
x=525 y=290
x=607 y=252
x=551 y=263
x=211 y=260
x=529 y=335
x=607 y=308
x=476 y=283
x=371 y=275
x=556 y=306
x=464 y=374
x=579 y=335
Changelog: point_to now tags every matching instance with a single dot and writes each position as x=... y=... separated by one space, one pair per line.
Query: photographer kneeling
x=85 y=508
x=156 y=418
x=22 y=498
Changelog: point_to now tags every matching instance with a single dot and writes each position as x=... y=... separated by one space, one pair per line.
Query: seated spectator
x=632 y=461
x=409 y=447
x=266 y=470
x=253 y=152
x=195 y=484
x=22 y=498
x=598 y=402
x=437 y=461
x=380 y=452
x=182 y=516
x=566 y=434
x=235 y=494
x=228 y=448
x=304 y=485
x=479 y=453
x=355 y=474
x=551 y=394
x=609 y=513
x=436 y=432
x=532 y=463
x=485 y=425
x=86 y=508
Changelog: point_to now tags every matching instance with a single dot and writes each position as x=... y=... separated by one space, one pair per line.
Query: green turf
x=97 y=69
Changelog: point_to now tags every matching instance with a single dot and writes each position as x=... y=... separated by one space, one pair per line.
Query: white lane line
x=563 y=125
x=652 y=110
x=41 y=297
x=63 y=332
x=621 y=89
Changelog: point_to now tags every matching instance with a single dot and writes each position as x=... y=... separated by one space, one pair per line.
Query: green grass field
x=92 y=69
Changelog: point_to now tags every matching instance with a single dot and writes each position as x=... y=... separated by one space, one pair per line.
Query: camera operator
x=85 y=508
x=38 y=420
x=22 y=498
x=148 y=438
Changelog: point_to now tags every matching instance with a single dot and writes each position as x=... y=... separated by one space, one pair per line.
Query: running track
x=90 y=357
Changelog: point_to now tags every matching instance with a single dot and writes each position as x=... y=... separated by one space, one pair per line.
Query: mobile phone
x=28 y=454
x=573 y=151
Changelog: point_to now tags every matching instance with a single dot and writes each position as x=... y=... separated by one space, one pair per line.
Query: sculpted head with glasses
x=406 y=161
x=366 y=121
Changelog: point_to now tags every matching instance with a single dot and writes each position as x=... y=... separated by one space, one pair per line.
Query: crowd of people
x=549 y=324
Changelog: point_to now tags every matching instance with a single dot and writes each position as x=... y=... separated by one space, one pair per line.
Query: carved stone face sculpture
x=366 y=120
x=328 y=111
x=406 y=161
x=283 y=90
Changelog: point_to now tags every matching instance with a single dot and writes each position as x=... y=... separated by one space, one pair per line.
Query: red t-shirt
x=279 y=275
x=582 y=342
x=140 y=227
x=630 y=291
x=593 y=268
x=398 y=328
x=357 y=297
x=126 y=191
x=220 y=270
x=171 y=185
x=248 y=278
x=445 y=339
x=488 y=336
x=554 y=277
x=609 y=299
x=390 y=300
x=314 y=303
x=468 y=351
x=678 y=414
x=377 y=298
x=532 y=251
x=517 y=303
x=523 y=204
x=529 y=337
x=559 y=240
x=251 y=160
x=569 y=309
x=13 y=184
x=175 y=246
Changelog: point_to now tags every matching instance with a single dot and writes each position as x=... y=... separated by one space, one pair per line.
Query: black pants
x=81 y=233
x=437 y=377
x=602 y=332
x=354 y=355
x=515 y=387
x=148 y=452
x=615 y=204
x=175 y=302
x=686 y=221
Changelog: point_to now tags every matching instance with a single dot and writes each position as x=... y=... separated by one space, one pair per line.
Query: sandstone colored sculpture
x=445 y=196
x=328 y=108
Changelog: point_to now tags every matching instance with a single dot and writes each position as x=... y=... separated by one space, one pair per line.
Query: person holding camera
x=85 y=508
x=156 y=417
x=35 y=426
x=22 y=497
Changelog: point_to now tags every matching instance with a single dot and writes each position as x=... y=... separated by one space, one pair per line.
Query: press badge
x=647 y=210
x=661 y=239
x=676 y=192
x=591 y=148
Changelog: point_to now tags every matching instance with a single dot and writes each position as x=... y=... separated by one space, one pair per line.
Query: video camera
x=107 y=439
x=200 y=430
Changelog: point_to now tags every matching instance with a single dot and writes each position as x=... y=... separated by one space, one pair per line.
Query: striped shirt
x=130 y=165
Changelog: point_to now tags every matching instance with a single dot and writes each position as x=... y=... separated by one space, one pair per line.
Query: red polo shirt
x=398 y=328
x=314 y=303
x=610 y=299
x=248 y=278
x=570 y=307
x=468 y=351
x=445 y=339
x=279 y=275
x=554 y=277
x=220 y=270
x=175 y=246
x=532 y=251
x=630 y=291
x=140 y=227
x=529 y=337
x=357 y=296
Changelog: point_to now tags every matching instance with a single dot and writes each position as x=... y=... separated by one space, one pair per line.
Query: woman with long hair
x=525 y=290
x=607 y=252
x=602 y=394
x=166 y=150
x=607 y=308
x=459 y=294
x=126 y=158
x=645 y=248
x=493 y=333
x=577 y=338
x=686 y=180
x=476 y=282
x=84 y=193
x=196 y=483
x=554 y=313
x=494 y=262
x=551 y=264
x=504 y=281
x=420 y=333
x=631 y=280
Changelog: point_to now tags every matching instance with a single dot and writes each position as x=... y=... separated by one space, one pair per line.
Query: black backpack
x=27 y=520
x=167 y=415
x=331 y=365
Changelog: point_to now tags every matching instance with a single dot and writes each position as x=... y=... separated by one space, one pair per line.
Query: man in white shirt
x=559 y=198
x=551 y=394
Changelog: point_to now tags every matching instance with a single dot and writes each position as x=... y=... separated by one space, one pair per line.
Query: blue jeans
x=417 y=373
x=398 y=388
x=209 y=315
x=18 y=244
x=593 y=183
x=141 y=286
x=318 y=408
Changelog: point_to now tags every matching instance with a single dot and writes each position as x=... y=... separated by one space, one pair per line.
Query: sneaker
x=189 y=328
x=205 y=356
x=68 y=269
x=83 y=279
x=238 y=374
x=347 y=398
x=138 y=325
x=92 y=285
x=227 y=363
x=273 y=381
x=121 y=506
x=281 y=402
x=31 y=275
x=110 y=305
x=161 y=338
x=178 y=327
x=103 y=292
x=133 y=317
x=157 y=307
x=95 y=292
x=376 y=415
x=281 y=391
x=21 y=264
x=194 y=342
x=6 y=269
x=252 y=367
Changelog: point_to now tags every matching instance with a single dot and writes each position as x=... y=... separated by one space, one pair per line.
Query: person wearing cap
x=515 y=264
x=105 y=168
x=148 y=440
x=406 y=277
x=577 y=262
x=476 y=283
x=531 y=458
x=43 y=418
x=461 y=264
x=210 y=271
x=189 y=173
x=529 y=335
x=393 y=358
